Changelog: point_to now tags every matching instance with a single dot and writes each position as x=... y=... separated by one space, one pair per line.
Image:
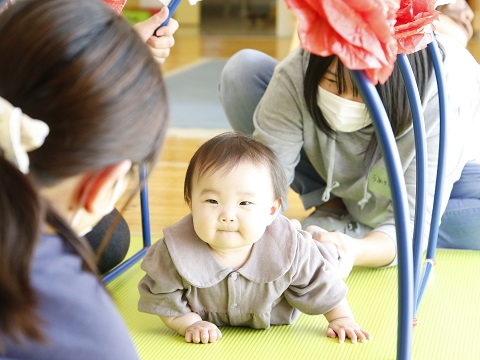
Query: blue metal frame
x=439 y=184
x=112 y=274
x=389 y=150
x=411 y=285
x=172 y=6
x=420 y=143
x=421 y=165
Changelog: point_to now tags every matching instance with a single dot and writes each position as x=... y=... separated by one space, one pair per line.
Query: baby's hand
x=347 y=327
x=202 y=332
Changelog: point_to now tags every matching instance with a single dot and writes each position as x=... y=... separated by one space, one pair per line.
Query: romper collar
x=271 y=256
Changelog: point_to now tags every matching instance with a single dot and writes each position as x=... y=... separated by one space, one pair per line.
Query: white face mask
x=341 y=114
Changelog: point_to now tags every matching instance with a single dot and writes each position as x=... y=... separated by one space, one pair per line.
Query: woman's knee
x=243 y=82
x=242 y=68
x=118 y=244
x=235 y=66
x=460 y=226
x=467 y=186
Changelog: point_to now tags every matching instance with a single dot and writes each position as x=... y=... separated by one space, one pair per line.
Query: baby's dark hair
x=225 y=151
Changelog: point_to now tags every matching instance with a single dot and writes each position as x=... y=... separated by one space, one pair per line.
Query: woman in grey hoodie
x=308 y=110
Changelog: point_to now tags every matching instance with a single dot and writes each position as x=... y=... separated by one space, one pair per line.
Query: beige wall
x=475 y=4
x=286 y=23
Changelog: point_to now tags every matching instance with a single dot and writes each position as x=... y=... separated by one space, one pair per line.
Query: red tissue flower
x=365 y=34
x=116 y=5
x=414 y=28
x=359 y=32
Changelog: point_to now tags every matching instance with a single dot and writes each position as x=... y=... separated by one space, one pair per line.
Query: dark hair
x=225 y=151
x=83 y=70
x=393 y=93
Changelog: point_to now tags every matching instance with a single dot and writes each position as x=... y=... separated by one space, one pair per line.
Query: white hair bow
x=19 y=134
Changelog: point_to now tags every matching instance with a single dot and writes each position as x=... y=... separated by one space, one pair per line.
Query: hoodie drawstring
x=331 y=164
x=334 y=184
x=366 y=195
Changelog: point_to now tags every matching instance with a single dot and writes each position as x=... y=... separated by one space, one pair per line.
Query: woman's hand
x=202 y=332
x=345 y=246
x=374 y=250
x=160 y=41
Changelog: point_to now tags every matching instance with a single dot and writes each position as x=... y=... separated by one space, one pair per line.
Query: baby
x=235 y=260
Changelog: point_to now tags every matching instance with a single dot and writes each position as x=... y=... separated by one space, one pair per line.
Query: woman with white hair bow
x=82 y=102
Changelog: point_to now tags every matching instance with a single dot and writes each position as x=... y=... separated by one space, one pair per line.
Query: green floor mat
x=448 y=320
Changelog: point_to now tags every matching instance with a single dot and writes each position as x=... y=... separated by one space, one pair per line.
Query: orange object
x=359 y=32
x=365 y=34
x=116 y=5
x=414 y=28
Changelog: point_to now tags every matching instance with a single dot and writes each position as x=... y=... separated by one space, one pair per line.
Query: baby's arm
x=342 y=324
x=193 y=328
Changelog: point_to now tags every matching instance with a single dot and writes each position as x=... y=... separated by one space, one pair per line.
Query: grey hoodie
x=283 y=122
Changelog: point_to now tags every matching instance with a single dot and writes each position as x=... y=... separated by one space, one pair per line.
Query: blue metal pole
x=114 y=273
x=442 y=97
x=389 y=149
x=436 y=216
x=144 y=206
x=421 y=165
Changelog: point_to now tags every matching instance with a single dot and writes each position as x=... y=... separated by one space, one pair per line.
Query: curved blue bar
x=389 y=149
x=429 y=266
x=421 y=165
x=112 y=274
x=442 y=97
x=436 y=216
x=144 y=206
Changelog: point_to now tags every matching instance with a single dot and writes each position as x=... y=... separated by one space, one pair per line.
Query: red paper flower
x=116 y=5
x=359 y=32
x=414 y=28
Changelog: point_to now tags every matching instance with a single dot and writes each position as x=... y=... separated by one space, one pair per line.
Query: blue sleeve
x=80 y=320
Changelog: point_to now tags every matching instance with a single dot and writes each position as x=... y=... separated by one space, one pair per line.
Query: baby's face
x=232 y=209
